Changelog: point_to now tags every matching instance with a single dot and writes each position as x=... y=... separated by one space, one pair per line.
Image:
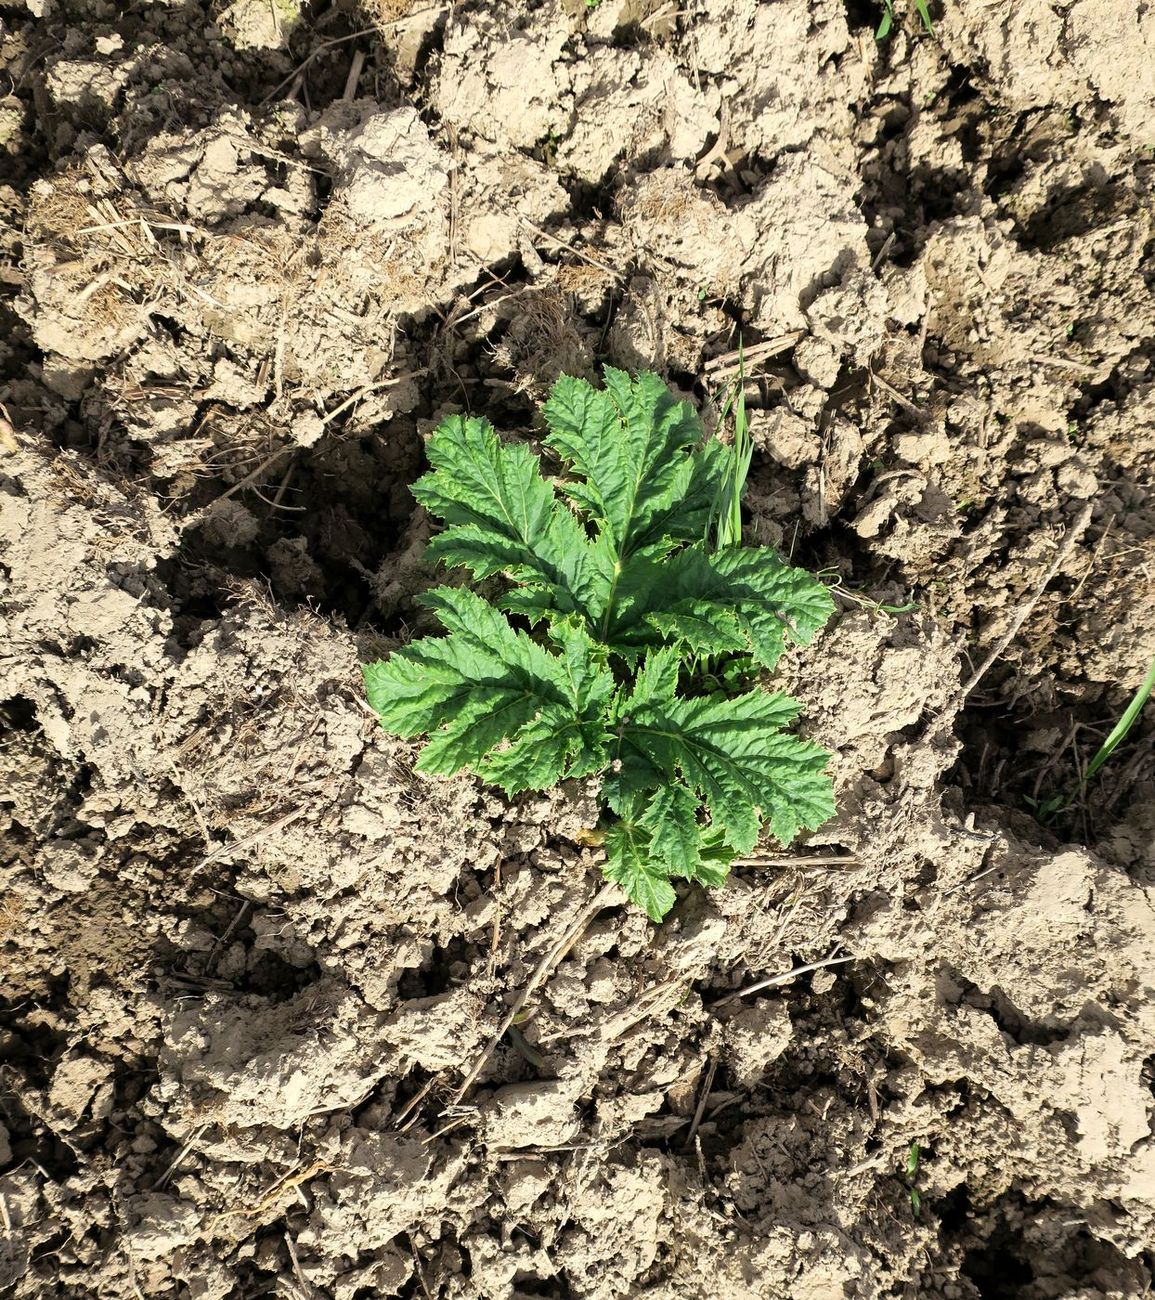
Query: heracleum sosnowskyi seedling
x=608 y=650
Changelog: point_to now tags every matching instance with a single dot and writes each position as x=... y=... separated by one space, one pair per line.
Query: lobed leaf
x=491 y=699
x=740 y=599
x=501 y=516
x=630 y=864
x=732 y=753
x=626 y=445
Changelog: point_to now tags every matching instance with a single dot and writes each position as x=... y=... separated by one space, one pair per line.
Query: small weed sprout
x=726 y=517
x=921 y=8
x=1048 y=809
x=622 y=643
x=913 y=1159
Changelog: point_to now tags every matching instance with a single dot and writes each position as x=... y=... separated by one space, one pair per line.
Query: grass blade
x=727 y=518
x=1123 y=726
x=887 y=22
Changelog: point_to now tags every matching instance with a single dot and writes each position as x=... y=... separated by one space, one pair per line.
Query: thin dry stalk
x=241 y=484
x=366 y=389
x=904 y=402
x=410 y=1107
x=1074 y=533
x=355 y=69
x=495 y=935
x=574 y=249
x=420 y=1271
x=301 y=68
x=270 y=1199
x=1093 y=561
x=700 y=1110
x=163 y=1181
x=227 y=850
x=775 y=980
x=817 y=860
x=606 y=895
x=728 y=364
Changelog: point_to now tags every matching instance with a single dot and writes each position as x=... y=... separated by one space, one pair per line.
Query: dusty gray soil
x=248 y=256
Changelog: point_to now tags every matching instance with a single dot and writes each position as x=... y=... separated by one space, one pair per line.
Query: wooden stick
x=705 y=1096
x=728 y=363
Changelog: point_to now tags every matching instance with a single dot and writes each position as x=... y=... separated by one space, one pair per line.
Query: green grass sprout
x=1046 y=810
x=921 y=8
x=726 y=518
x=587 y=660
x=913 y=1158
x=1119 y=732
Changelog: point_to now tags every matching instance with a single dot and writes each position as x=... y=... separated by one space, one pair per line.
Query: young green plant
x=585 y=659
x=913 y=1159
x=922 y=8
x=726 y=517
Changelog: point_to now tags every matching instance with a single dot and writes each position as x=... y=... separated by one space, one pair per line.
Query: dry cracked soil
x=250 y=253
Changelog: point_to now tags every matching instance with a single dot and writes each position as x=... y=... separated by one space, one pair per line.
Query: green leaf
x=626 y=445
x=672 y=822
x=714 y=860
x=687 y=520
x=773 y=599
x=733 y=754
x=590 y=660
x=501 y=516
x=657 y=679
x=493 y=700
x=630 y=864
x=887 y=21
x=541 y=754
x=710 y=630
x=659 y=838
x=744 y=598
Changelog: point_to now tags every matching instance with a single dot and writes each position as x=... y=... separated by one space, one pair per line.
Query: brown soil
x=249 y=254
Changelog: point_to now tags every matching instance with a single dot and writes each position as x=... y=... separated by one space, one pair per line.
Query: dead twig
x=729 y=363
x=700 y=1110
x=279 y=1188
x=775 y=980
x=366 y=389
x=574 y=249
x=1074 y=533
x=301 y=68
x=816 y=860
x=163 y=1181
x=227 y=850
x=606 y=895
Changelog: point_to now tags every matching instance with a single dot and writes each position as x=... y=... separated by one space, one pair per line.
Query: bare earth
x=248 y=258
